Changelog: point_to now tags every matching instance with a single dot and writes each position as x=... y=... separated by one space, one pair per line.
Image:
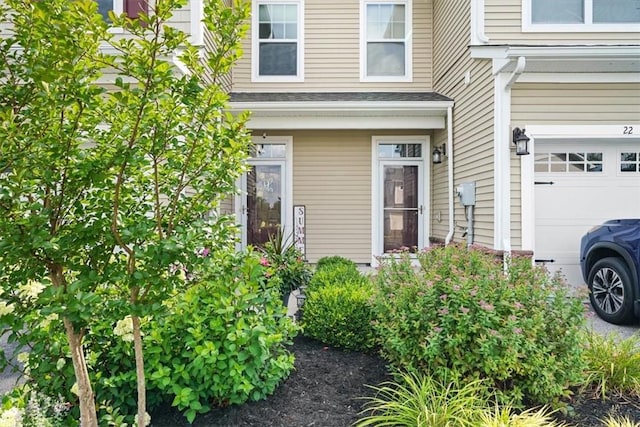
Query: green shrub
x=613 y=365
x=341 y=315
x=459 y=315
x=421 y=400
x=336 y=274
x=223 y=341
x=333 y=261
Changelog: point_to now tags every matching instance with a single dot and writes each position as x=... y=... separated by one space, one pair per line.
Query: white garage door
x=579 y=185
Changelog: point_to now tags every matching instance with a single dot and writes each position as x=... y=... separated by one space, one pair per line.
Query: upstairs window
x=582 y=15
x=277 y=40
x=132 y=8
x=386 y=40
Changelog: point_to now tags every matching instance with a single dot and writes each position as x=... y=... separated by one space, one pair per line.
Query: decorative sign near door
x=299 y=229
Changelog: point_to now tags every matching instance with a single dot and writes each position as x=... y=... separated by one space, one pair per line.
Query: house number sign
x=299 y=229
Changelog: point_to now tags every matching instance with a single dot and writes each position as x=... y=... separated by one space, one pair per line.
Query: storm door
x=400 y=197
x=264 y=193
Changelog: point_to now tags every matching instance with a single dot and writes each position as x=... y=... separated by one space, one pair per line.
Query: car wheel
x=610 y=290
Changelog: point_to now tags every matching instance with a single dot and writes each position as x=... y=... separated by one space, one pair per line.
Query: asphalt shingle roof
x=337 y=97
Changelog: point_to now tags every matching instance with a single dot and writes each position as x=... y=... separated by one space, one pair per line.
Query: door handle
x=420 y=209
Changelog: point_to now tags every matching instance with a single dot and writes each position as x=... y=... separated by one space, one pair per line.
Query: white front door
x=399 y=195
x=579 y=185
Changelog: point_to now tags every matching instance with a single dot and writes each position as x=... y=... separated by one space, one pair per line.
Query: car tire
x=611 y=291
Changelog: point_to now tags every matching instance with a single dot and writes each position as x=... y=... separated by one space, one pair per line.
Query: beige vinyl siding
x=332 y=178
x=564 y=104
x=332 y=51
x=472 y=122
x=503 y=25
x=226 y=206
x=439 y=191
x=516 y=202
x=223 y=80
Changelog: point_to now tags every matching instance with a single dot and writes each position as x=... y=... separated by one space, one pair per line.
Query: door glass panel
x=264 y=203
x=400 y=207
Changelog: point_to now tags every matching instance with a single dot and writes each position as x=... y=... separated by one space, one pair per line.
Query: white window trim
x=287 y=214
x=588 y=26
x=197 y=23
x=376 y=202
x=118 y=9
x=408 y=66
x=255 y=63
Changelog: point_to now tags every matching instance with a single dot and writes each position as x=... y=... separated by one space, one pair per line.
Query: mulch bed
x=326 y=388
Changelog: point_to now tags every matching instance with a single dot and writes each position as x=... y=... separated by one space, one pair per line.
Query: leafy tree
x=106 y=190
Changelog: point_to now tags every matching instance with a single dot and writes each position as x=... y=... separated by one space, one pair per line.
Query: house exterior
x=350 y=100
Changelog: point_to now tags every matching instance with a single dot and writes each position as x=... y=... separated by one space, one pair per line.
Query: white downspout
x=502 y=152
x=478 y=36
x=447 y=240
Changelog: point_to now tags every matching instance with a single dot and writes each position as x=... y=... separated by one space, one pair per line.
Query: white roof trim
x=611 y=52
x=345 y=115
x=437 y=107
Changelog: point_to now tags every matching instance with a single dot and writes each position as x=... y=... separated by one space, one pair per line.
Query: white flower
x=6 y=308
x=47 y=320
x=11 y=418
x=23 y=357
x=29 y=291
x=124 y=329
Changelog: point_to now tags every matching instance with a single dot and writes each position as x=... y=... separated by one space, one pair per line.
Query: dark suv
x=610 y=262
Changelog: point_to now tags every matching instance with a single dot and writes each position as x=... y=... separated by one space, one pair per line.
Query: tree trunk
x=88 y=415
x=142 y=393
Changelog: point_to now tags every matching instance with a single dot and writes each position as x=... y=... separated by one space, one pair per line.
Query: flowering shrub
x=285 y=262
x=459 y=315
x=28 y=408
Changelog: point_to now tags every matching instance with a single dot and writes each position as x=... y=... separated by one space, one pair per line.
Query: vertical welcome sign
x=299 y=229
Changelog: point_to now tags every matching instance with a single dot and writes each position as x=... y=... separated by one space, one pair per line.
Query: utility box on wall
x=467 y=193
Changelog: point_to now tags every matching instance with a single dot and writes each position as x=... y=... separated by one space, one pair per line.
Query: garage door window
x=568 y=162
x=630 y=162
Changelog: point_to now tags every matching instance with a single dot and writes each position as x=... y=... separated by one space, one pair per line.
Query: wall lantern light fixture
x=521 y=141
x=438 y=153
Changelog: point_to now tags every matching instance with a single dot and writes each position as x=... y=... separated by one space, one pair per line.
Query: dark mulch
x=325 y=390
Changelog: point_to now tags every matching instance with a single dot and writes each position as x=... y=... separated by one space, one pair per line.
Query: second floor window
x=131 y=7
x=277 y=40
x=584 y=12
x=386 y=40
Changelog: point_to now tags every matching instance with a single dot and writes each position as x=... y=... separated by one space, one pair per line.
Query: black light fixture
x=521 y=140
x=438 y=153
